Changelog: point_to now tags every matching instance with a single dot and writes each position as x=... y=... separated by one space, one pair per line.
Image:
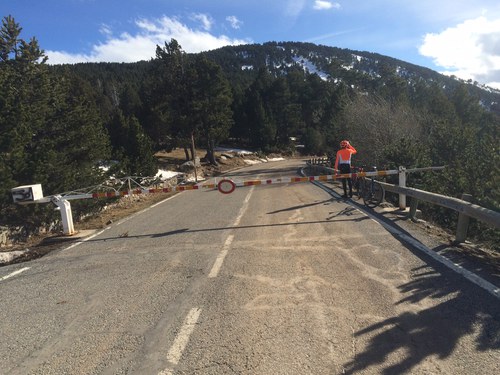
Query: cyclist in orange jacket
x=343 y=164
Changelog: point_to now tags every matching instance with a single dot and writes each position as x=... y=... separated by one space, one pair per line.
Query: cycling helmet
x=344 y=144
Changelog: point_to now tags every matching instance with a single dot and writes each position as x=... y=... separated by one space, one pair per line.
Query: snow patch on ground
x=235 y=150
x=163 y=174
x=310 y=67
x=192 y=179
x=258 y=161
x=10 y=256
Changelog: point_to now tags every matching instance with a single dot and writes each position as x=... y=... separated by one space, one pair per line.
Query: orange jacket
x=344 y=156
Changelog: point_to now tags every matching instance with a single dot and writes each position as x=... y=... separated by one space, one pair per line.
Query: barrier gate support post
x=66 y=215
x=463 y=222
x=402 y=183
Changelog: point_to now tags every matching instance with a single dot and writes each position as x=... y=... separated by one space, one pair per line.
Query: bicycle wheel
x=360 y=188
x=373 y=194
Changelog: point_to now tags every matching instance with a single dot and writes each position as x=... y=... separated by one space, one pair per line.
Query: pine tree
x=9 y=39
x=211 y=104
x=49 y=133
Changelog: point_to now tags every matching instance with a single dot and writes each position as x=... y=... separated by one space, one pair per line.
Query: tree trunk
x=186 y=153
x=211 y=152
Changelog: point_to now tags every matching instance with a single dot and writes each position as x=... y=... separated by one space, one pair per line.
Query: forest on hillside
x=58 y=124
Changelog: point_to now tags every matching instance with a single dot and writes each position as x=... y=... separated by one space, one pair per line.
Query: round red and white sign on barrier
x=226 y=186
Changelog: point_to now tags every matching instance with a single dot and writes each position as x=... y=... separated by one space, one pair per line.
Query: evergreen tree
x=211 y=104
x=49 y=133
x=260 y=123
x=9 y=39
x=139 y=150
x=282 y=112
x=169 y=97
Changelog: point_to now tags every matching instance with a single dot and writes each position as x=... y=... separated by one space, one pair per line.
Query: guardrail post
x=463 y=222
x=402 y=183
x=413 y=209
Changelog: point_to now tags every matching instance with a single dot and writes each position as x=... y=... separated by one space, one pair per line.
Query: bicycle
x=371 y=191
x=357 y=181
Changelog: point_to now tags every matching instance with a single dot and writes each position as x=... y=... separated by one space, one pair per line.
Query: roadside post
x=402 y=183
x=463 y=222
x=64 y=206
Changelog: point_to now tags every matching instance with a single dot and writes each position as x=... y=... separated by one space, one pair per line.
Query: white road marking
x=144 y=210
x=14 y=273
x=472 y=277
x=244 y=207
x=475 y=279
x=180 y=342
x=175 y=352
x=118 y=223
x=225 y=249
x=163 y=201
x=86 y=239
x=220 y=258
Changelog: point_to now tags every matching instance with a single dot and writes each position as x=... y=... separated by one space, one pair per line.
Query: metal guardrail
x=463 y=206
x=460 y=205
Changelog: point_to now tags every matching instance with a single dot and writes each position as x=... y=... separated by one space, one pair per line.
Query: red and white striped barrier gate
x=227 y=185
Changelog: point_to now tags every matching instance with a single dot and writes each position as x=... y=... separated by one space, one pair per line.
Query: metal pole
x=194 y=158
x=402 y=183
x=463 y=222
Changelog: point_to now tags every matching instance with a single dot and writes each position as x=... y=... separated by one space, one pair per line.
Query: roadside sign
x=226 y=186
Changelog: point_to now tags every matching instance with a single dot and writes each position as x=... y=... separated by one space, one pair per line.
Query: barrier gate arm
x=328 y=177
x=33 y=193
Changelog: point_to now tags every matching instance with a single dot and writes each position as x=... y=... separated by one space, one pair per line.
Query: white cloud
x=142 y=45
x=234 y=21
x=469 y=50
x=105 y=30
x=205 y=20
x=322 y=5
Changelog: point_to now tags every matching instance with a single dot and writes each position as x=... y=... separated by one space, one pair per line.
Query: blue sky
x=460 y=37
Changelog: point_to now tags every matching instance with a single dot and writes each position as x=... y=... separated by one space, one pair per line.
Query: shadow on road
x=294 y=208
x=239 y=227
x=433 y=332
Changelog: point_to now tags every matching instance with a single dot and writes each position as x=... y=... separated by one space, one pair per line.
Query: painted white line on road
x=244 y=207
x=118 y=223
x=144 y=210
x=14 y=273
x=180 y=342
x=163 y=201
x=229 y=240
x=220 y=258
x=85 y=239
x=472 y=277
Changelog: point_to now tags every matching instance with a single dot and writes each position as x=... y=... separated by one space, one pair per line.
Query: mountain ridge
x=278 y=57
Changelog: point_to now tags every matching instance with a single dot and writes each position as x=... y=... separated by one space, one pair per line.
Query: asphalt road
x=279 y=279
